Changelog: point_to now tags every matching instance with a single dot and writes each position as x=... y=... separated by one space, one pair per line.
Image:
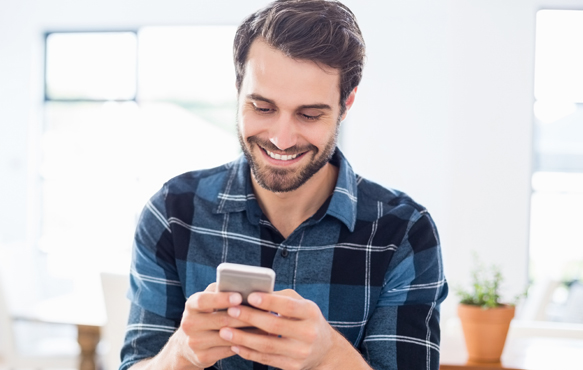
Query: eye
x=310 y=114
x=309 y=117
x=261 y=109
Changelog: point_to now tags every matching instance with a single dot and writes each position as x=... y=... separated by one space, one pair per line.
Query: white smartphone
x=244 y=279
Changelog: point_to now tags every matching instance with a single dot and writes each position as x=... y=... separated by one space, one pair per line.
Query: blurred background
x=474 y=108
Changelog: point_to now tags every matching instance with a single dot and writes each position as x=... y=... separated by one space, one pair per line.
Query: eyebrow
x=305 y=106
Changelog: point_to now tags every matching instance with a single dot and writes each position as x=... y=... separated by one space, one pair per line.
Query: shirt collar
x=237 y=192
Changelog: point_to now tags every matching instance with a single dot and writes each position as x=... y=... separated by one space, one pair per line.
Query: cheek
x=249 y=125
x=319 y=136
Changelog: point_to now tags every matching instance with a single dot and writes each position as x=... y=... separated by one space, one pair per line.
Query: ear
x=349 y=102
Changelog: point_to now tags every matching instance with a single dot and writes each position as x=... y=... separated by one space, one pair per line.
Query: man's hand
x=299 y=336
x=198 y=335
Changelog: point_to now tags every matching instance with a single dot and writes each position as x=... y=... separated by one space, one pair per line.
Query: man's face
x=288 y=117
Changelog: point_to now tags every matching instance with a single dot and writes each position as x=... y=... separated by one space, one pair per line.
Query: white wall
x=445 y=114
x=444 y=111
x=22 y=25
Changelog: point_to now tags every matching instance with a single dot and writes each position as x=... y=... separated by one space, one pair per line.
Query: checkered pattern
x=370 y=258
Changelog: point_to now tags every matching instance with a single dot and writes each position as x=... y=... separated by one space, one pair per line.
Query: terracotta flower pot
x=485 y=330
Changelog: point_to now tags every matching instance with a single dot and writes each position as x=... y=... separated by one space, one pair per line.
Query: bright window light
x=91 y=66
x=103 y=159
x=187 y=64
x=556 y=242
x=559 y=56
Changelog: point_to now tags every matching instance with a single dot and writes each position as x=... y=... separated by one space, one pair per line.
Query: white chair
x=573 y=307
x=37 y=346
x=117 y=308
x=536 y=304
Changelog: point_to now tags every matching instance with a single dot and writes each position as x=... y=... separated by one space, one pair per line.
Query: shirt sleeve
x=403 y=331
x=155 y=291
x=146 y=334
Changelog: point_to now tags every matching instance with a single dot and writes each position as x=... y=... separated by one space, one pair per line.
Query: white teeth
x=281 y=157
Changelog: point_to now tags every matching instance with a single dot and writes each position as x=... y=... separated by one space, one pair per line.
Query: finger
x=254 y=330
x=212 y=287
x=269 y=322
x=262 y=343
x=276 y=361
x=194 y=321
x=205 y=340
x=284 y=305
x=210 y=301
x=209 y=357
x=288 y=293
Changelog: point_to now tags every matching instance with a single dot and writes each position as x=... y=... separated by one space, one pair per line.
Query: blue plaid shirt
x=369 y=257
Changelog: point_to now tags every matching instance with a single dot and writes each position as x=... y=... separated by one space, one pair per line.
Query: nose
x=283 y=133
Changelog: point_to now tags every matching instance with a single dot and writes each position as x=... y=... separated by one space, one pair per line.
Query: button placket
x=284 y=252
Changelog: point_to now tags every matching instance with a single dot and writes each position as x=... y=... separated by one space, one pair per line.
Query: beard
x=280 y=180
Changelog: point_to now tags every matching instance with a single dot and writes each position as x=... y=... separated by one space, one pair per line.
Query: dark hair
x=323 y=31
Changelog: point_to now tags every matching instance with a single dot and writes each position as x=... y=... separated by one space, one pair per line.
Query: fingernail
x=234 y=311
x=254 y=299
x=226 y=334
x=235 y=298
x=235 y=349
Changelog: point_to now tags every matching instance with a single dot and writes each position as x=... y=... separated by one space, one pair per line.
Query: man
x=359 y=275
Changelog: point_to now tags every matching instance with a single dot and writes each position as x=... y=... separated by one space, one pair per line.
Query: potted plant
x=485 y=320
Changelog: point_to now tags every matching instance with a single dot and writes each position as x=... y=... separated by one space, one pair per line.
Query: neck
x=286 y=211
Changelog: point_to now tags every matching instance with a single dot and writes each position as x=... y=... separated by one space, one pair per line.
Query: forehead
x=272 y=74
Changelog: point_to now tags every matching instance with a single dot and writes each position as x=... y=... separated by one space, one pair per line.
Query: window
x=556 y=240
x=124 y=112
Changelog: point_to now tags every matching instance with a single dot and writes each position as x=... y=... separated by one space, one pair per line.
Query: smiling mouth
x=282 y=157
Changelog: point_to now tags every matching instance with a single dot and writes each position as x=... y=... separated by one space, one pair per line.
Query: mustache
x=268 y=145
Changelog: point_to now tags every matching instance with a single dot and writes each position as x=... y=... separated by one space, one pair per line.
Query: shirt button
x=284 y=252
